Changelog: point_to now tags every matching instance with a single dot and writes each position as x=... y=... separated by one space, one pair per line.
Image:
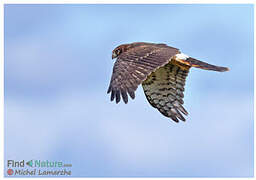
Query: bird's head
x=119 y=50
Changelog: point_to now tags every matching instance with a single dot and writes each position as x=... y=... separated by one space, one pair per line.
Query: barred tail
x=202 y=65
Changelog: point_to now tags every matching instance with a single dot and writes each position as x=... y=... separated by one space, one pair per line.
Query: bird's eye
x=117 y=51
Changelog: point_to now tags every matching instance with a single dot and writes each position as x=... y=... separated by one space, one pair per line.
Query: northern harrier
x=161 y=69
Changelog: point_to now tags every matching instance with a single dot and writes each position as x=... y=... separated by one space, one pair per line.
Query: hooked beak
x=113 y=55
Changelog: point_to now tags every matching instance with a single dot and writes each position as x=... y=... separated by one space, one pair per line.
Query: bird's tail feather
x=202 y=65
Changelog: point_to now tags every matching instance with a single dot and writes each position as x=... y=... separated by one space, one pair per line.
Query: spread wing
x=164 y=90
x=134 y=66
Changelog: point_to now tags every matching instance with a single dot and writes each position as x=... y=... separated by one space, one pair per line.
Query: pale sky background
x=58 y=66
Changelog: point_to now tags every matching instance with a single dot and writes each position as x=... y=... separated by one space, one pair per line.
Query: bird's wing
x=164 y=90
x=134 y=66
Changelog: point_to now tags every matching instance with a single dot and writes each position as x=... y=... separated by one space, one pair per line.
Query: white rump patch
x=182 y=56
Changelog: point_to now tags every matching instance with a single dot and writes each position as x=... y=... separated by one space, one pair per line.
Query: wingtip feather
x=131 y=93
x=124 y=96
x=118 y=96
x=109 y=90
x=113 y=94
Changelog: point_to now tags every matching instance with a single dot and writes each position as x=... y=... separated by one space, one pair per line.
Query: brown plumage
x=162 y=71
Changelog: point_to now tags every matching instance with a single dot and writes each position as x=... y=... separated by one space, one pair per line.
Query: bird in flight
x=162 y=71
